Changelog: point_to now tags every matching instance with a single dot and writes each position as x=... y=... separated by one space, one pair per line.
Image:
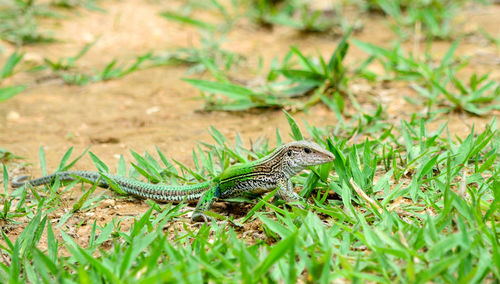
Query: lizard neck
x=275 y=163
x=289 y=171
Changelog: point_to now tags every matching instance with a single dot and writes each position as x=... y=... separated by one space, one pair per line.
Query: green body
x=256 y=177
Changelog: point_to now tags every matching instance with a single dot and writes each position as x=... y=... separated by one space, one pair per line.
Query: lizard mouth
x=327 y=159
x=322 y=161
x=331 y=157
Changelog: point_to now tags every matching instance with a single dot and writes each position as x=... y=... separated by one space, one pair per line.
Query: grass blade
x=297 y=134
x=187 y=21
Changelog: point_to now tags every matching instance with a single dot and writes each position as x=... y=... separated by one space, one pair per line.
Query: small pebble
x=152 y=110
x=12 y=116
x=106 y=203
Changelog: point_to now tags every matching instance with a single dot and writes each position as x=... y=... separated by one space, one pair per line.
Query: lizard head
x=299 y=155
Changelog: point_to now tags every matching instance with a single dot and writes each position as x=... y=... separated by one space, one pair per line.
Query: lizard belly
x=252 y=186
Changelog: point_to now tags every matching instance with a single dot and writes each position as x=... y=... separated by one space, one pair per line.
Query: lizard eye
x=289 y=153
x=307 y=150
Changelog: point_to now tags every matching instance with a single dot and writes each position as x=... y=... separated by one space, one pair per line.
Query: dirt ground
x=154 y=107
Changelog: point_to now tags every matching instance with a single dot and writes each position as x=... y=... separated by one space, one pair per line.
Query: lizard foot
x=200 y=217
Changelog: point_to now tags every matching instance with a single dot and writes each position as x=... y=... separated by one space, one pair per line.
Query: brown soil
x=154 y=107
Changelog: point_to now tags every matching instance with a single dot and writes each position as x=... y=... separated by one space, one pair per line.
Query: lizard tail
x=19 y=181
x=63 y=176
x=159 y=192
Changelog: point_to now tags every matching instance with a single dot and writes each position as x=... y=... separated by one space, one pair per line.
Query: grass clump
x=19 y=19
x=67 y=70
x=19 y=24
x=7 y=92
x=432 y=18
x=479 y=96
x=298 y=15
x=295 y=77
x=436 y=83
x=209 y=57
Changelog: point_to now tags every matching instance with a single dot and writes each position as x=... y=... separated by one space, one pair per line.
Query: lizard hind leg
x=205 y=203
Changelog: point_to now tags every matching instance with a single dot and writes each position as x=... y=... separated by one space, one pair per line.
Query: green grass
x=229 y=12
x=73 y=4
x=491 y=38
x=7 y=92
x=209 y=57
x=6 y=155
x=429 y=213
x=19 y=18
x=296 y=76
x=435 y=81
x=19 y=22
x=66 y=69
x=297 y=15
x=430 y=18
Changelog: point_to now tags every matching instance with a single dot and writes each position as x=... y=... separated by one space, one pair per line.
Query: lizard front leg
x=204 y=204
x=286 y=193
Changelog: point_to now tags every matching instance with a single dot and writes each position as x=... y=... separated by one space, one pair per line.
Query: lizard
x=253 y=178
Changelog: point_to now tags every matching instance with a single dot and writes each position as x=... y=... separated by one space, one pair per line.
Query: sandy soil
x=153 y=107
